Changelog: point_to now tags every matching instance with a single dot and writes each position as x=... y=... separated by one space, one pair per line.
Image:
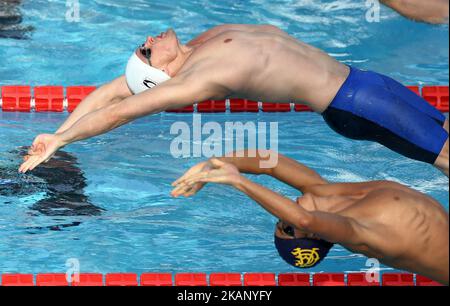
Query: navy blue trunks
x=371 y=106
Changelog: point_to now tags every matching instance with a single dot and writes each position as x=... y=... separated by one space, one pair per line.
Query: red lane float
x=17 y=280
x=87 y=279
x=436 y=96
x=49 y=99
x=225 y=279
x=276 y=107
x=121 y=279
x=187 y=109
x=212 y=106
x=329 y=279
x=294 y=279
x=16 y=98
x=191 y=279
x=302 y=108
x=156 y=279
x=259 y=279
x=243 y=105
x=397 y=279
x=359 y=279
x=51 y=279
x=76 y=94
x=215 y=279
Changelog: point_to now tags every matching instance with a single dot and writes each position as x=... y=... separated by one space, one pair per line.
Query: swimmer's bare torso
x=399 y=226
x=265 y=64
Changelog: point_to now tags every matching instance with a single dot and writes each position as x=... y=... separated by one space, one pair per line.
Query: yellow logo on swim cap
x=305 y=257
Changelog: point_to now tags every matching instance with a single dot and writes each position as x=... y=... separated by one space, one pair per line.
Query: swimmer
x=261 y=63
x=431 y=11
x=400 y=227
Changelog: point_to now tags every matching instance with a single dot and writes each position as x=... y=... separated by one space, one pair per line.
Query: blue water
x=95 y=49
x=128 y=172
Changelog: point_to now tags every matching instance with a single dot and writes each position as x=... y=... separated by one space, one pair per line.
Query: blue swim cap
x=303 y=253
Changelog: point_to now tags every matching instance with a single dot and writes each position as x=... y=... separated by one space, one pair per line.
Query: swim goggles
x=146 y=52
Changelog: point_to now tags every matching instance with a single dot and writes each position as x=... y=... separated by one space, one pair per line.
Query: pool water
x=134 y=225
x=95 y=50
x=116 y=213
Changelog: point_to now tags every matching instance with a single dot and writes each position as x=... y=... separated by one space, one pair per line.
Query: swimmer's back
x=410 y=228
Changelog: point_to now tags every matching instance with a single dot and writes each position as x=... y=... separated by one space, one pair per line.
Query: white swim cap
x=141 y=76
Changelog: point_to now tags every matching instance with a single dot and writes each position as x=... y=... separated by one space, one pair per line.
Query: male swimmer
x=261 y=63
x=431 y=11
x=400 y=227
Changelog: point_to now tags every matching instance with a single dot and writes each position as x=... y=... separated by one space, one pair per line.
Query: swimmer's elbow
x=116 y=116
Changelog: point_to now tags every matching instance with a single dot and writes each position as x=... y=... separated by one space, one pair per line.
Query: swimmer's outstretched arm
x=331 y=227
x=431 y=11
x=177 y=92
x=286 y=170
x=108 y=94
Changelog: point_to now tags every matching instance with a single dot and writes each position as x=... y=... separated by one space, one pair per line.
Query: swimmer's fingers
x=183 y=184
x=194 y=190
x=193 y=170
x=186 y=189
x=25 y=164
x=191 y=191
x=32 y=161
x=223 y=179
x=219 y=171
x=197 y=177
x=28 y=163
x=221 y=176
x=176 y=192
x=36 y=163
x=183 y=190
x=189 y=177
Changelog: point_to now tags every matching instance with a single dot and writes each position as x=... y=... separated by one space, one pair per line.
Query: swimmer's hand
x=180 y=186
x=213 y=171
x=43 y=148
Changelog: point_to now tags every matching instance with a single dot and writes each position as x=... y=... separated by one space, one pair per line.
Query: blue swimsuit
x=371 y=106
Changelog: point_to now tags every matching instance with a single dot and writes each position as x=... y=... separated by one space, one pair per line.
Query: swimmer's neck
x=184 y=52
